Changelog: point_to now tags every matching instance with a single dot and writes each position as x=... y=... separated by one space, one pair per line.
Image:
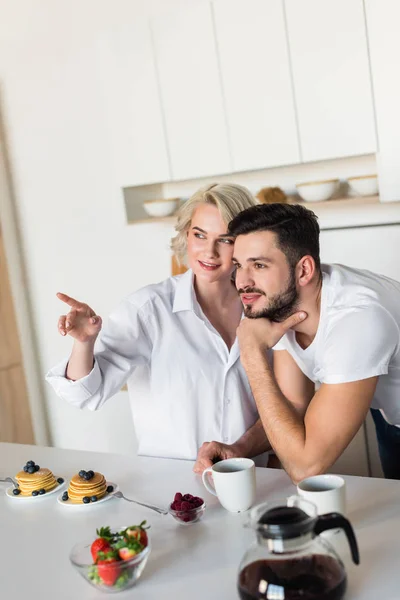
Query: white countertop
x=355 y=212
x=197 y=562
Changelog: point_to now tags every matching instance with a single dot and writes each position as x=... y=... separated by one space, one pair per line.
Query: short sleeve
x=280 y=345
x=358 y=345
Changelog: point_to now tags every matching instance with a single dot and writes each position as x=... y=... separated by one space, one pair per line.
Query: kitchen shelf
x=169 y=219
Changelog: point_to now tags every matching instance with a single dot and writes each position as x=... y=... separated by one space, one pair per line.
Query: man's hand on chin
x=212 y=452
x=264 y=334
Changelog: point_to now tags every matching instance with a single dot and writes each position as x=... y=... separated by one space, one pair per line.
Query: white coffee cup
x=234 y=482
x=327 y=492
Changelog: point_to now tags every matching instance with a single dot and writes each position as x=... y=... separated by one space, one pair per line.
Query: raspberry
x=178 y=497
x=197 y=502
x=187 y=497
x=178 y=505
x=173 y=506
x=186 y=506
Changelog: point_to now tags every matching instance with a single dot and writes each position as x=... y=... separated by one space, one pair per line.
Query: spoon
x=10 y=480
x=161 y=511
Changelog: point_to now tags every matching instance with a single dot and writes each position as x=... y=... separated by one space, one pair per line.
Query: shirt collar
x=184 y=298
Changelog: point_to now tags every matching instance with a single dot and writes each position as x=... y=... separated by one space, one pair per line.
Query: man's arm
x=253 y=442
x=292 y=382
x=306 y=445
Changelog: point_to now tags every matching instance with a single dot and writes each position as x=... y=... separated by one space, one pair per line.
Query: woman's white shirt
x=185 y=386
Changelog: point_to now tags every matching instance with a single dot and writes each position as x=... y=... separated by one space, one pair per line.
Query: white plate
x=9 y=492
x=104 y=499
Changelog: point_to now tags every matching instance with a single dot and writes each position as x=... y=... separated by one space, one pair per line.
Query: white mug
x=327 y=492
x=234 y=483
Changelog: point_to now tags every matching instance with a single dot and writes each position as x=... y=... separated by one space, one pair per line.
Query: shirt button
x=228 y=401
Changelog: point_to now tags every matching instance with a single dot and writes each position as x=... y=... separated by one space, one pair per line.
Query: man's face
x=264 y=280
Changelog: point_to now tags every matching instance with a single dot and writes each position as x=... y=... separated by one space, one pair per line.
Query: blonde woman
x=175 y=344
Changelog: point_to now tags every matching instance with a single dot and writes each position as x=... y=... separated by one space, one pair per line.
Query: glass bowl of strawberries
x=115 y=560
x=187 y=509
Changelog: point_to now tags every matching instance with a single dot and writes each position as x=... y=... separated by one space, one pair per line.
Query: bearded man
x=335 y=335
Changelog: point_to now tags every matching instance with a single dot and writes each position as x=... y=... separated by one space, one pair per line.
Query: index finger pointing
x=68 y=300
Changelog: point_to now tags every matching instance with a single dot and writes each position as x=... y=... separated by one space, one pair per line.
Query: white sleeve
x=359 y=345
x=123 y=344
x=281 y=344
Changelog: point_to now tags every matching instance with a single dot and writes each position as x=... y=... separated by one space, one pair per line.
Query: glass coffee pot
x=289 y=560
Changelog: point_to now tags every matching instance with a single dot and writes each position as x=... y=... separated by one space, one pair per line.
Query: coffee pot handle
x=338 y=521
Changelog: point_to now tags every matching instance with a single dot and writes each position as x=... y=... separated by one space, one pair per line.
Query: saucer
x=89 y=504
x=9 y=492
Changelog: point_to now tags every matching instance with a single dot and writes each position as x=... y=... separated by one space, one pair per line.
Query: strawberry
x=127 y=553
x=108 y=567
x=99 y=545
x=138 y=532
x=102 y=543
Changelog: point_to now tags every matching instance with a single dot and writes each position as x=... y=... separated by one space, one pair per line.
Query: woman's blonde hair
x=229 y=198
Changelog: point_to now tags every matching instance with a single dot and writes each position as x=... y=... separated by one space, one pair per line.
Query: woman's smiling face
x=209 y=247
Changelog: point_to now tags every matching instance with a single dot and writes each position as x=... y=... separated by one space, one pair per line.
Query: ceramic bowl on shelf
x=161 y=208
x=364 y=185
x=317 y=191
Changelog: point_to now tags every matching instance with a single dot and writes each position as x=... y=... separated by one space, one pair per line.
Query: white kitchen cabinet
x=328 y=48
x=191 y=92
x=133 y=107
x=372 y=248
x=383 y=18
x=256 y=81
x=376 y=249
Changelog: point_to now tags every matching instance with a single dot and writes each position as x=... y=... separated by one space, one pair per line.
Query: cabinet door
x=255 y=71
x=328 y=48
x=191 y=92
x=133 y=106
x=376 y=249
x=372 y=248
x=383 y=18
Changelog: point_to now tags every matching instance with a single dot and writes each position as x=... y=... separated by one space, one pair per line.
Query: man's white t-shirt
x=358 y=335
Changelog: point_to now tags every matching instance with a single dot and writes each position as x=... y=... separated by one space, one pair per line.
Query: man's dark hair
x=296 y=229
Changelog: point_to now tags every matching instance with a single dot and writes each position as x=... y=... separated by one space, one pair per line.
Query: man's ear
x=305 y=270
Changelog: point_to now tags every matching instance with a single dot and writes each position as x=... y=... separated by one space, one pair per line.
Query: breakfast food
x=86 y=487
x=35 y=481
x=111 y=553
x=185 y=507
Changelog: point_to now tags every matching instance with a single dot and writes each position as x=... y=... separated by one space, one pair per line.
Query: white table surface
x=197 y=562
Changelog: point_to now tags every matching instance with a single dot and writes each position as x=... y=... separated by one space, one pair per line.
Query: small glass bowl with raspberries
x=187 y=509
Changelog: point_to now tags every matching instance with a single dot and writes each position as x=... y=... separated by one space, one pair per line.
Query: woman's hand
x=81 y=323
x=212 y=452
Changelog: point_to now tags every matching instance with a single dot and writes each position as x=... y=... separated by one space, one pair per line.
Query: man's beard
x=280 y=306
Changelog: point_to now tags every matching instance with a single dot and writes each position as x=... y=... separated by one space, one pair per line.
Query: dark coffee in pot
x=314 y=577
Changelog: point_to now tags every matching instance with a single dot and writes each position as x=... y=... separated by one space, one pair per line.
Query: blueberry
x=86 y=500
x=65 y=496
x=26 y=469
x=16 y=491
x=31 y=470
x=86 y=477
x=35 y=493
x=93 y=499
x=82 y=474
x=42 y=491
x=30 y=463
x=110 y=489
x=60 y=480
x=37 y=467
x=91 y=473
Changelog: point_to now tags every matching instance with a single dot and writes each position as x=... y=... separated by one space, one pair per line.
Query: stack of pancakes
x=80 y=488
x=43 y=479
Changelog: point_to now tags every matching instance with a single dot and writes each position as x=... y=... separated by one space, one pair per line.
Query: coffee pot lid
x=285 y=522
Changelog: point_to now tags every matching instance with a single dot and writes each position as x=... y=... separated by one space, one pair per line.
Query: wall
x=70 y=211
